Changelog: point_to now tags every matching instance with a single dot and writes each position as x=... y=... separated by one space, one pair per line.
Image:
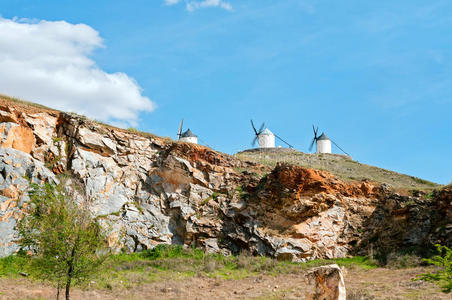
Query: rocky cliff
x=147 y=190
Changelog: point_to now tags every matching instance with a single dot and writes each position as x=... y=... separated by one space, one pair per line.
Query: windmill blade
x=254 y=128
x=315 y=131
x=339 y=147
x=290 y=146
x=312 y=144
x=253 y=143
x=261 y=128
x=179 y=133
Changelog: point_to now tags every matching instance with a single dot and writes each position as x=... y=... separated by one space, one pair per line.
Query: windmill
x=323 y=143
x=265 y=138
x=187 y=136
x=257 y=133
x=179 y=132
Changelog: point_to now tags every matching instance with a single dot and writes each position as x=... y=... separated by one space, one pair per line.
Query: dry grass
x=360 y=284
x=340 y=165
x=26 y=105
x=383 y=283
x=174 y=272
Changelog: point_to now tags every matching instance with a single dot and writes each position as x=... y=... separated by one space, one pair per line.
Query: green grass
x=12 y=266
x=176 y=263
x=352 y=262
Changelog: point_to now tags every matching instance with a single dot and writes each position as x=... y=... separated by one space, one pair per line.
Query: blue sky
x=376 y=76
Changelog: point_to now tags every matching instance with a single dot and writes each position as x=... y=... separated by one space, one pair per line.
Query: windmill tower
x=265 y=138
x=187 y=136
x=323 y=143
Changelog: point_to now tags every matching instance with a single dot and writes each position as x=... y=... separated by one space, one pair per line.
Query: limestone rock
x=326 y=283
x=43 y=126
x=96 y=141
x=15 y=136
x=7 y=114
x=14 y=167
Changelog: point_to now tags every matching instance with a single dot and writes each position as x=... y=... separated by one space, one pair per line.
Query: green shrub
x=171 y=251
x=443 y=276
x=68 y=244
x=133 y=130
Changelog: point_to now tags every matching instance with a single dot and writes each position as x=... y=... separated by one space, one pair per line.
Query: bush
x=170 y=251
x=133 y=130
x=443 y=276
x=68 y=244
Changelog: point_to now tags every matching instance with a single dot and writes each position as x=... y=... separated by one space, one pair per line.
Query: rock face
x=326 y=283
x=15 y=166
x=147 y=191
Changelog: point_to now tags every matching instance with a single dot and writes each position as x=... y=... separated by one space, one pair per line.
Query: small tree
x=68 y=243
x=443 y=276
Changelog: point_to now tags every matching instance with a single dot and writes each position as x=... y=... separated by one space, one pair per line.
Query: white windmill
x=265 y=138
x=323 y=143
x=186 y=136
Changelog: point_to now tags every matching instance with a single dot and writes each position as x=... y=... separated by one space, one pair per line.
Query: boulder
x=325 y=283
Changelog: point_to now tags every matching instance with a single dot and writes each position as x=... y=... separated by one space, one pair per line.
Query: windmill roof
x=188 y=133
x=267 y=132
x=323 y=137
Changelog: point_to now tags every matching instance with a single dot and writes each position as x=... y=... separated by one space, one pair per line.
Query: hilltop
x=151 y=190
x=147 y=191
x=342 y=166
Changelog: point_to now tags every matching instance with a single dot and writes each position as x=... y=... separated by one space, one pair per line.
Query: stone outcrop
x=148 y=190
x=17 y=170
x=409 y=222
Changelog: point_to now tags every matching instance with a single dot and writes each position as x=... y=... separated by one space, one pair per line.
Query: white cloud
x=192 y=5
x=48 y=62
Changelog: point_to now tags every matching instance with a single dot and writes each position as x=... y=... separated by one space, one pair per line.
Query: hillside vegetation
x=340 y=165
